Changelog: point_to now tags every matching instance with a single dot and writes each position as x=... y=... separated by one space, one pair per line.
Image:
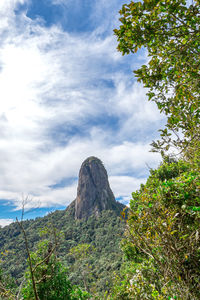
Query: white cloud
x=5 y=222
x=52 y=80
x=123 y=186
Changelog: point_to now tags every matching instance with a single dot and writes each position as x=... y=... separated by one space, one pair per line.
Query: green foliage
x=135 y=283
x=51 y=277
x=169 y=30
x=103 y=233
x=82 y=254
x=7 y=284
x=162 y=237
x=81 y=251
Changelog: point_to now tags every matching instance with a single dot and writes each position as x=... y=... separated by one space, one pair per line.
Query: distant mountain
x=93 y=218
x=94 y=193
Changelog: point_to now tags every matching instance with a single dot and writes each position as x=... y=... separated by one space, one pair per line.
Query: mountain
x=94 y=193
x=92 y=218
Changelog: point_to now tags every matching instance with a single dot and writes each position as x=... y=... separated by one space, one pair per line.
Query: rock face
x=94 y=193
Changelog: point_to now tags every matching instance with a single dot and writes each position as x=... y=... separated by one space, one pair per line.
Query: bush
x=162 y=245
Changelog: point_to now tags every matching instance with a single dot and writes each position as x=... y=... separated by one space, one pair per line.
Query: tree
x=162 y=237
x=81 y=253
x=46 y=278
x=50 y=276
x=169 y=30
x=21 y=226
x=7 y=285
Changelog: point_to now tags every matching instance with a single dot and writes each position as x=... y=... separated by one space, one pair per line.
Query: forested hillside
x=103 y=234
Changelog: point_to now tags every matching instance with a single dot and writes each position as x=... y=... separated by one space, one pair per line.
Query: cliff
x=94 y=193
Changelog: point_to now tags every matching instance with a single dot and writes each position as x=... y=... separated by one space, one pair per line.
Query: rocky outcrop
x=94 y=193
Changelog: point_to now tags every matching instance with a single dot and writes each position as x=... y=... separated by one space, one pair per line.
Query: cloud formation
x=5 y=222
x=66 y=96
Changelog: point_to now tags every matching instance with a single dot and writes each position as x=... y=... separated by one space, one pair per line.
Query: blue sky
x=66 y=94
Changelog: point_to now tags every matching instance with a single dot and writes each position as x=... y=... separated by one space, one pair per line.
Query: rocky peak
x=94 y=193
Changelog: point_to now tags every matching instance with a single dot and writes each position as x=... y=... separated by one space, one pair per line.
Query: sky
x=66 y=93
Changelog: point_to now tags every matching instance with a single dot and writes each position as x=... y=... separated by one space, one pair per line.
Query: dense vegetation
x=161 y=244
x=93 y=272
